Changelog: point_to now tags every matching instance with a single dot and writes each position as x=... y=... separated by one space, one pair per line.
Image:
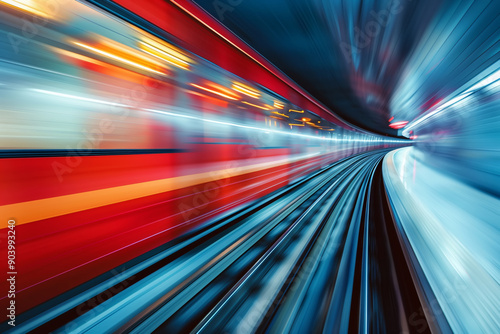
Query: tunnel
x=250 y=166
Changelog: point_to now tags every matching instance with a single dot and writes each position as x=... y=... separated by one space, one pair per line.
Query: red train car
x=120 y=137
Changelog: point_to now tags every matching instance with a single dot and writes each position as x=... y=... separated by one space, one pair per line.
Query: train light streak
x=246 y=90
x=213 y=91
x=398 y=125
x=169 y=58
x=255 y=105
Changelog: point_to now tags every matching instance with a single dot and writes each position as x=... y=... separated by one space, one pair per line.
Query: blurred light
x=299 y=111
x=291 y=124
x=448 y=104
x=254 y=105
x=246 y=90
x=398 y=125
x=80 y=98
x=495 y=76
x=169 y=58
x=78 y=56
x=118 y=58
x=214 y=92
x=305 y=119
x=29 y=6
x=391 y=119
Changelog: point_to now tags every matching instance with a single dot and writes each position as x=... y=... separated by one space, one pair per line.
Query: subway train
x=124 y=125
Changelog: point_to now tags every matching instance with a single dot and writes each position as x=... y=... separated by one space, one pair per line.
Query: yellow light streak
x=279 y=105
x=118 y=58
x=29 y=6
x=213 y=91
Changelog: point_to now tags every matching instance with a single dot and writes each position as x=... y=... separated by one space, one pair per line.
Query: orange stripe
x=30 y=211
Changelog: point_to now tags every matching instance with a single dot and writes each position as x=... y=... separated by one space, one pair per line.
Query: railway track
x=320 y=255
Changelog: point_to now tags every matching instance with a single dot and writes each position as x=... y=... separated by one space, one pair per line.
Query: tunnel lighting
x=398 y=125
x=277 y=113
x=118 y=58
x=158 y=53
x=29 y=6
x=256 y=106
x=168 y=48
x=488 y=80
x=279 y=105
x=292 y=124
x=214 y=92
x=281 y=119
x=305 y=119
x=79 y=57
x=246 y=90
x=448 y=104
x=299 y=111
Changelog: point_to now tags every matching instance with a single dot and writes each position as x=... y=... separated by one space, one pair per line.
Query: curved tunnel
x=236 y=166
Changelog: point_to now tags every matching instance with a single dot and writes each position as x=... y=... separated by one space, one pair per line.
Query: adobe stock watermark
x=223 y=6
x=11 y=271
x=31 y=27
x=363 y=37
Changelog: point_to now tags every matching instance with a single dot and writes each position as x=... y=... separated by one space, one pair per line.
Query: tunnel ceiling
x=370 y=61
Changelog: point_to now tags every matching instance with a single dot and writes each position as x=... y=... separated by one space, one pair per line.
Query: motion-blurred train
x=125 y=124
